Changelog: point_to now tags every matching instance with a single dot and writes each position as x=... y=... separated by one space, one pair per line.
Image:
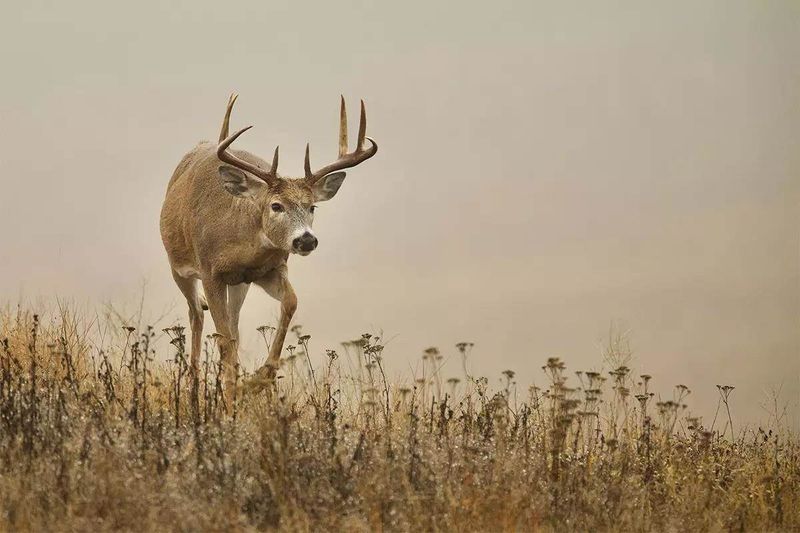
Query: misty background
x=545 y=169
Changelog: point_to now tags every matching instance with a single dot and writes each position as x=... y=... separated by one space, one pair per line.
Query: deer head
x=287 y=204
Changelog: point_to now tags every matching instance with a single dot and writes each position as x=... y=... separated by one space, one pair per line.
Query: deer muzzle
x=305 y=243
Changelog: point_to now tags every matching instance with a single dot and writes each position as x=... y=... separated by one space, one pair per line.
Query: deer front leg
x=217 y=296
x=277 y=285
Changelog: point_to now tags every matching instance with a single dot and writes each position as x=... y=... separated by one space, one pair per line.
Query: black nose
x=305 y=243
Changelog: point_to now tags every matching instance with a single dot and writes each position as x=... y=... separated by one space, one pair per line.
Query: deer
x=229 y=220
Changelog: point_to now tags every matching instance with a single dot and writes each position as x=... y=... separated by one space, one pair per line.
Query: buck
x=230 y=220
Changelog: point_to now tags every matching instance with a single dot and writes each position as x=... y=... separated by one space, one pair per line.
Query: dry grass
x=102 y=434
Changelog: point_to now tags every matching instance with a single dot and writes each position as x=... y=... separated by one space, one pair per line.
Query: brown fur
x=225 y=234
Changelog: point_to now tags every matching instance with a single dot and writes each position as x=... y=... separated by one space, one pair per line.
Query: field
x=100 y=432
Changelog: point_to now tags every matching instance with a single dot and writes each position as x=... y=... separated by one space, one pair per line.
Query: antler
x=346 y=160
x=267 y=175
x=223 y=132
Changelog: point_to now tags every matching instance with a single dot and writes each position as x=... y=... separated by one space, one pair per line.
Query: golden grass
x=106 y=435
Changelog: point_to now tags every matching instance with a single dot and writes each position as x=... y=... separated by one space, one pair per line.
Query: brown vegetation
x=103 y=434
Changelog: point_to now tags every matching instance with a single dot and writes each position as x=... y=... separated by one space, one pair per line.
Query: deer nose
x=305 y=243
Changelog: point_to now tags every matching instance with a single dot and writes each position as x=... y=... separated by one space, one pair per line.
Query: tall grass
x=110 y=435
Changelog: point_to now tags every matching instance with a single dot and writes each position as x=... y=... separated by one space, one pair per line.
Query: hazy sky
x=545 y=168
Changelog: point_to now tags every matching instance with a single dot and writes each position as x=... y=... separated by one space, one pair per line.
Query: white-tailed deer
x=229 y=220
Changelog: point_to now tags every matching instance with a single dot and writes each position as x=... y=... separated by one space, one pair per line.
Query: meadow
x=99 y=430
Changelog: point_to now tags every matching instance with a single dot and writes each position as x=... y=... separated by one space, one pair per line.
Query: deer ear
x=239 y=183
x=327 y=187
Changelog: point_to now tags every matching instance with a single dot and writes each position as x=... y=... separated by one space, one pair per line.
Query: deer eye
x=278 y=208
x=312 y=209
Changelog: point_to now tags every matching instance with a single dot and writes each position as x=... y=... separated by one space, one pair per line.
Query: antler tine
x=343 y=129
x=307 y=164
x=273 y=171
x=223 y=133
x=223 y=145
x=362 y=128
x=346 y=160
x=227 y=157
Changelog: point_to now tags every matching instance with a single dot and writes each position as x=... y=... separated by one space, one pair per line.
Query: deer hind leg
x=194 y=298
x=217 y=296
